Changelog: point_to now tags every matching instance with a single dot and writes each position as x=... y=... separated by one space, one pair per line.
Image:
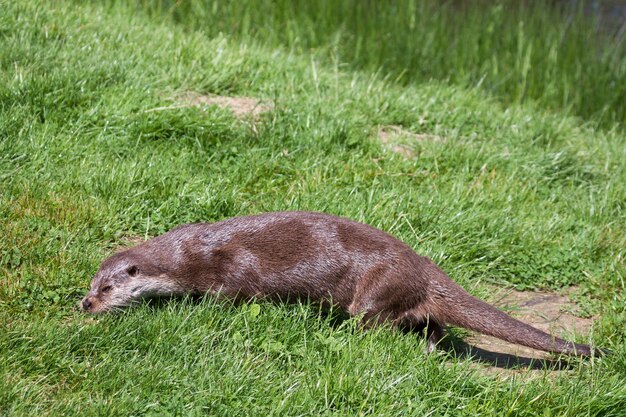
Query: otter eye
x=132 y=271
x=106 y=289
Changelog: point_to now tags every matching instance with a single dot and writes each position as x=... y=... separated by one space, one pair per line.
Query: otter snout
x=86 y=304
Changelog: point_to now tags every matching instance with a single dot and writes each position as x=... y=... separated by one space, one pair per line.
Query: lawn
x=100 y=145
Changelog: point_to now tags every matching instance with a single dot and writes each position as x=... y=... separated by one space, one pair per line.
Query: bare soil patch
x=128 y=241
x=397 y=139
x=241 y=107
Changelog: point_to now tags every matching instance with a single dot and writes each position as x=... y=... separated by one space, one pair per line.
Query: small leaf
x=272 y=346
x=254 y=310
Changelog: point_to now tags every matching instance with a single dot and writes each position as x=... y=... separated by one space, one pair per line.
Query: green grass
x=511 y=196
x=555 y=54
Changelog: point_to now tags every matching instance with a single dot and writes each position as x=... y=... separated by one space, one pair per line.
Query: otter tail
x=463 y=310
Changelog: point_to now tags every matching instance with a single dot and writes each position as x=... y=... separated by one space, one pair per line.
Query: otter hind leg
x=435 y=333
x=421 y=324
x=424 y=325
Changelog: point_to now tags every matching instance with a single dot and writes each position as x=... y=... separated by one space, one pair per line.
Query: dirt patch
x=399 y=140
x=128 y=241
x=241 y=107
x=551 y=312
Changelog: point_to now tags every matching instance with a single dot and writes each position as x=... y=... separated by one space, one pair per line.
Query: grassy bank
x=96 y=147
x=562 y=57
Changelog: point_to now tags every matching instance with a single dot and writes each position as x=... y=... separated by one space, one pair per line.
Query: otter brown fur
x=286 y=255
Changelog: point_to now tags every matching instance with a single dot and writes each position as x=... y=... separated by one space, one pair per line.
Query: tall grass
x=559 y=57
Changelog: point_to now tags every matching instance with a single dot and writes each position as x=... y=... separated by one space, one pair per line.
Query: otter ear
x=132 y=270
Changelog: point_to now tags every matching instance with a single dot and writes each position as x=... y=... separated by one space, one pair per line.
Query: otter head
x=125 y=279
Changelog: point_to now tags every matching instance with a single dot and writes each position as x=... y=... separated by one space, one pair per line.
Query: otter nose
x=86 y=304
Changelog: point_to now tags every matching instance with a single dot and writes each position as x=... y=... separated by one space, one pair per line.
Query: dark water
x=612 y=13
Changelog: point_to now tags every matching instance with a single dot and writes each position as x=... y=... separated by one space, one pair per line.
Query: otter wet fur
x=304 y=255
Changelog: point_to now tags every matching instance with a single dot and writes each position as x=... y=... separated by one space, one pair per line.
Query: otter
x=305 y=255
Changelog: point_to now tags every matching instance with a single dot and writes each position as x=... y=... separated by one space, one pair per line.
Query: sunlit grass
x=511 y=197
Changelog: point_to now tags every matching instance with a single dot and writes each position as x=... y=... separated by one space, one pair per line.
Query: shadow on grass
x=459 y=349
